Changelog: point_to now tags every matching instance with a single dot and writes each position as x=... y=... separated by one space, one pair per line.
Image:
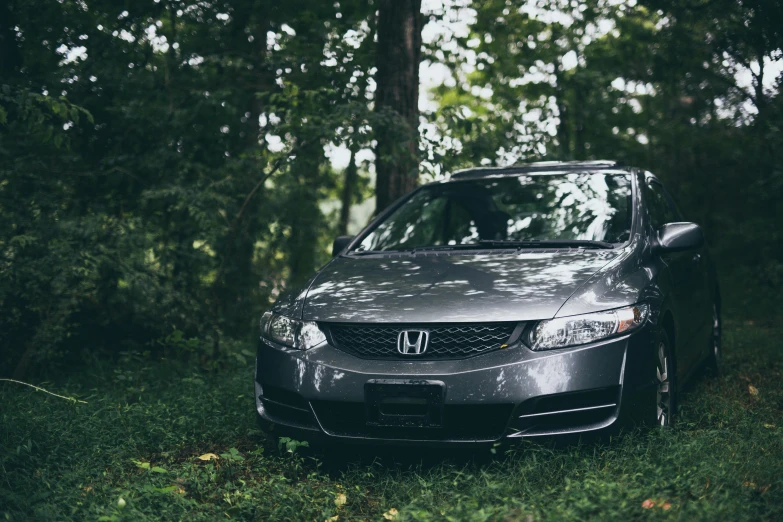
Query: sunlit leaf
x=208 y=456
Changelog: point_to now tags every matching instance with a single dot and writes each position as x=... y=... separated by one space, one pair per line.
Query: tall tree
x=349 y=187
x=397 y=98
x=170 y=206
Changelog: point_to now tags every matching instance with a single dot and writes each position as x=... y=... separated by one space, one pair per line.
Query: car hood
x=450 y=288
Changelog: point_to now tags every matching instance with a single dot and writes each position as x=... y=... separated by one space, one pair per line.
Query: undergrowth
x=162 y=441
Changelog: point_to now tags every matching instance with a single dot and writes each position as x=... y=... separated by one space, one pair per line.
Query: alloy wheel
x=664 y=395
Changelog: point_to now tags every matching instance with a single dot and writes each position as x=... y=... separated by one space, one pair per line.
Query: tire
x=665 y=376
x=714 y=358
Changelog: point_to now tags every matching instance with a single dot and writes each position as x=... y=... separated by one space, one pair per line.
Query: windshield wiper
x=547 y=243
x=466 y=246
x=484 y=244
x=433 y=248
x=369 y=252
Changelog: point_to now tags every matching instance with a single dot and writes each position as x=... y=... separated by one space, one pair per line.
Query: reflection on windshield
x=574 y=206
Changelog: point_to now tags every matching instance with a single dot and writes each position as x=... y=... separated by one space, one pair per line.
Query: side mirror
x=340 y=243
x=676 y=237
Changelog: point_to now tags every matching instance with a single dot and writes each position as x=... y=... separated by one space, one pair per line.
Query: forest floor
x=132 y=453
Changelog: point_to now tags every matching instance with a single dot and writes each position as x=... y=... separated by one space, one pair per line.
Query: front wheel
x=665 y=395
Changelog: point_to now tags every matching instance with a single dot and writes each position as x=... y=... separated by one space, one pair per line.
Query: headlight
x=302 y=335
x=282 y=329
x=587 y=328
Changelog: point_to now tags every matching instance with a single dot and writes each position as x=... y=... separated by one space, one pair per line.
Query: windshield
x=574 y=206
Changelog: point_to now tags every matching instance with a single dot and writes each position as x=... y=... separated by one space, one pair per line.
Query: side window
x=659 y=206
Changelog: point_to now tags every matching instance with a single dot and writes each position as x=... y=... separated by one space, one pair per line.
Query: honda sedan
x=502 y=303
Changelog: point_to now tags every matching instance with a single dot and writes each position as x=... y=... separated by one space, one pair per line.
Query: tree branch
x=45 y=391
x=241 y=213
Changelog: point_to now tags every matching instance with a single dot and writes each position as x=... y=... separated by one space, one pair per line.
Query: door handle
x=696 y=259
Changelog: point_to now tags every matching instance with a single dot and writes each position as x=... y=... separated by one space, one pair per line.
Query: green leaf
x=140 y=464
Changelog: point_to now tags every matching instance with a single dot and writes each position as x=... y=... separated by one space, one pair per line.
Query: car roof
x=538 y=167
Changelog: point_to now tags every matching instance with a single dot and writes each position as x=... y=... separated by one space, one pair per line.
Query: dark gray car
x=512 y=302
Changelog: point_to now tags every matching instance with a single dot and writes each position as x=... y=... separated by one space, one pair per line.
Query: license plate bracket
x=404 y=403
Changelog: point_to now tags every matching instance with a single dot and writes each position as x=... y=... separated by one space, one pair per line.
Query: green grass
x=144 y=426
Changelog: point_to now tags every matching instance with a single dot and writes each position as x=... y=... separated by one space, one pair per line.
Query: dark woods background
x=165 y=165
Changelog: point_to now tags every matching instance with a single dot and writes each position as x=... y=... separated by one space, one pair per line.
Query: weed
x=178 y=443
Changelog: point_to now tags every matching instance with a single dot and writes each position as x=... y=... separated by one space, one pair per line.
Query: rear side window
x=659 y=207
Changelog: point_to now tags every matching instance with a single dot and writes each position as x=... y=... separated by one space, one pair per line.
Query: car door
x=685 y=279
x=702 y=292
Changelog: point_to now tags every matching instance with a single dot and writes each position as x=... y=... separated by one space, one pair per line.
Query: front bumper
x=508 y=393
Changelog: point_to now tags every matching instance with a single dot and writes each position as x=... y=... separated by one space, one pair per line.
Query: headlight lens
x=282 y=330
x=587 y=328
x=302 y=335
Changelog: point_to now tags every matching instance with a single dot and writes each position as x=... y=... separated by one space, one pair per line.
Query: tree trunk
x=306 y=219
x=397 y=99
x=580 y=151
x=563 y=132
x=561 y=94
x=234 y=287
x=349 y=186
x=24 y=363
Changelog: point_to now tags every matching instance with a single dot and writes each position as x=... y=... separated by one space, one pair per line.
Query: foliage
x=163 y=165
x=176 y=443
x=655 y=84
x=164 y=175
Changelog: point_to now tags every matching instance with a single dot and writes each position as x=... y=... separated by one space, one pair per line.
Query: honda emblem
x=413 y=342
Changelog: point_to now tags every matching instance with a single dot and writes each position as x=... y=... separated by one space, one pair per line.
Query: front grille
x=460 y=422
x=446 y=341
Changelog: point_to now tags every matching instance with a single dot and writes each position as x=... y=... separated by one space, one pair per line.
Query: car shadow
x=337 y=458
